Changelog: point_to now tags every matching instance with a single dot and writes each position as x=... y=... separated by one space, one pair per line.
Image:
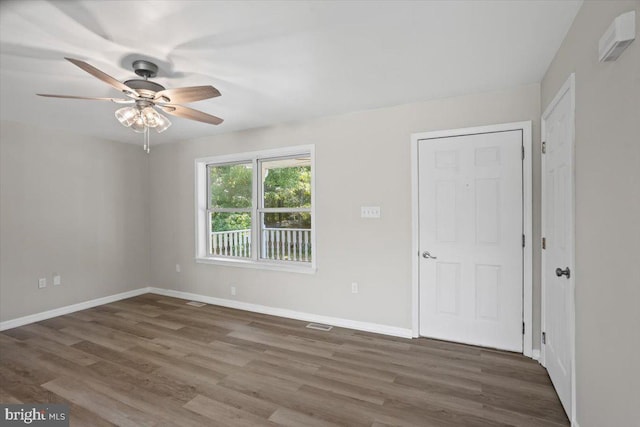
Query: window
x=256 y=209
x=229 y=211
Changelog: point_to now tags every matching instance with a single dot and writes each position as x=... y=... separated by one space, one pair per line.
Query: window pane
x=230 y=186
x=230 y=234
x=286 y=236
x=287 y=183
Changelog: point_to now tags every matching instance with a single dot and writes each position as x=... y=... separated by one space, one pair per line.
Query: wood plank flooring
x=155 y=361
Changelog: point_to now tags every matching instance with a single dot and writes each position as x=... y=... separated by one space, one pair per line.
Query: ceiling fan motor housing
x=145 y=88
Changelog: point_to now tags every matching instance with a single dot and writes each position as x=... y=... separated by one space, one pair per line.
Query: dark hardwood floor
x=155 y=361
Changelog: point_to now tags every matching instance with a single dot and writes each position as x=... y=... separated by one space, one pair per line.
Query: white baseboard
x=281 y=312
x=535 y=355
x=32 y=318
x=290 y=314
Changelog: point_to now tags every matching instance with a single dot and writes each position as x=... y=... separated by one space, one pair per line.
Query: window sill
x=261 y=265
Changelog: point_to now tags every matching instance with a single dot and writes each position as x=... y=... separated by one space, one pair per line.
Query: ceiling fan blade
x=183 y=95
x=116 y=100
x=103 y=76
x=190 y=113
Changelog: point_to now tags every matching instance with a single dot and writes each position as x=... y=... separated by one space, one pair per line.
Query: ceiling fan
x=145 y=96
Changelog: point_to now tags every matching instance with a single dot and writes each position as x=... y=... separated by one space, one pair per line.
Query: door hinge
x=522 y=328
x=544 y=338
x=523 y=152
x=544 y=147
x=523 y=240
x=544 y=243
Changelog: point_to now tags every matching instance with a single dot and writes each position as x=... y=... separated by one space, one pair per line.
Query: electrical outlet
x=178 y=269
x=370 y=212
x=354 y=288
x=57 y=280
x=233 y=291
x=42 y=283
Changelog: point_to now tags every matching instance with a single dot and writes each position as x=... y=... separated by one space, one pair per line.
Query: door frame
x=527 y=214
x=568 y=86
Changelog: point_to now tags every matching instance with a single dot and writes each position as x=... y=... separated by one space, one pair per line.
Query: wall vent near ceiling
x=319 y=327
x=196 y=304
x=618 y=36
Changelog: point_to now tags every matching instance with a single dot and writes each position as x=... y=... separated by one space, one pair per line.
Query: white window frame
x=202 y=222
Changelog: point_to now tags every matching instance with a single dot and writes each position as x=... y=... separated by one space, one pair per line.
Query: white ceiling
x=273 y=61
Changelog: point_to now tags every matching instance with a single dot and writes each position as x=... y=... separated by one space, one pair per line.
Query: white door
x=558 y=247
x=470 y=239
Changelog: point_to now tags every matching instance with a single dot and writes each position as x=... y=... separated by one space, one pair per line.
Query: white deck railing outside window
x=280 y=244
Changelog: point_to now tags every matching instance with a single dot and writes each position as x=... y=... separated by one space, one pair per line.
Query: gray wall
x=362 y=158
x=73 y=205
x=607 y=216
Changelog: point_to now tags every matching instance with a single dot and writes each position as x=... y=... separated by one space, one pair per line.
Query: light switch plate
x=57 y=280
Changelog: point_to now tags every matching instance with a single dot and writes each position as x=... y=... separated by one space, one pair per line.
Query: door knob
x=566 y=272
x=427 y=255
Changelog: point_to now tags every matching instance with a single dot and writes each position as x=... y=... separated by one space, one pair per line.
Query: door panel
x=470 y=219
x=557 y=227
x=448 y=284
x=488 y=291
x=487 y=211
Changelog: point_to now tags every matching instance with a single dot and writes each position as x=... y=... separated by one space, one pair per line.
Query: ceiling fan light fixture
x=127 y=115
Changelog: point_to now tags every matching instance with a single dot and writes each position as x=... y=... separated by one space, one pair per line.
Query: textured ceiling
x=273 y=61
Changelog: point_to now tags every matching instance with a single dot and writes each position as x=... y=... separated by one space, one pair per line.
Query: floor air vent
x=196 y=304
x=319 y=326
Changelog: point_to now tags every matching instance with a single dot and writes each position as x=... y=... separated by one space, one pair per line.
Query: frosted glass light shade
x=127 y=115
